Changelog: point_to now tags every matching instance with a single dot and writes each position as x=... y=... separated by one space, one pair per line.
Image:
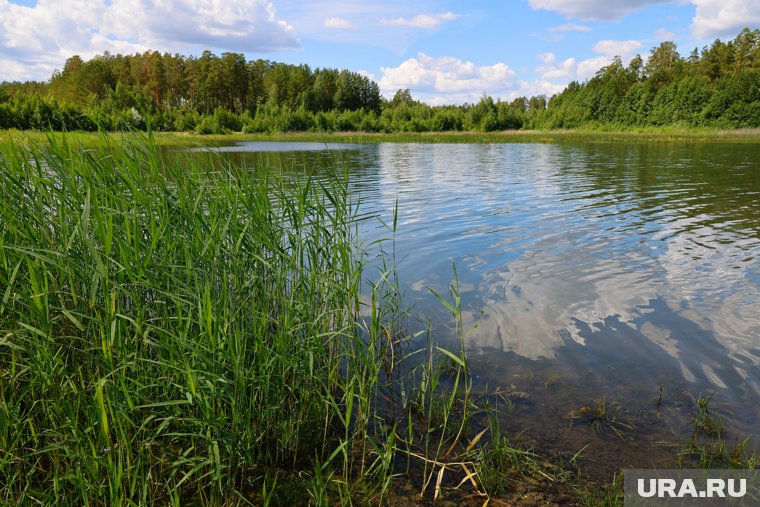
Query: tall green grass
x=169 y=330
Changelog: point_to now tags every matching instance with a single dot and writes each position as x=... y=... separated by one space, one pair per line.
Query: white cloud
x=716 y=18
x=593 y=9
x=622 y=48
x=38 y=39
x=570 y=69
x=426 y=21
x=587 y=68
x=16 y=71
x=455 y=79
x=438 y=101
x=663 y=34
x=367 y=74
x=569 y=27
x=29 y=30
x=713 y=18
x=413 y=21
x=625 y=49
x=537 y=87
x=242 y=25
x=339 y=23
x=551 y=70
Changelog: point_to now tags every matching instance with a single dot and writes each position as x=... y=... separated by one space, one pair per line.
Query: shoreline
x=646 y=135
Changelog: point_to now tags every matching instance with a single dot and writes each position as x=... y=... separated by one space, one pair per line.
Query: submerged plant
x=708 y=443
x=706 y=420
x=602 y=417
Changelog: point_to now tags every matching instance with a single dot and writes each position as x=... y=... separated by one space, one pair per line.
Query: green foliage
x=26 y=112
x=605 y=495
x=169 y=328
x=718 y=87
x=709 y=446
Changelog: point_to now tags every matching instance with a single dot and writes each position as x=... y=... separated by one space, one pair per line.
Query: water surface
x=280 y=146
x=635 y=264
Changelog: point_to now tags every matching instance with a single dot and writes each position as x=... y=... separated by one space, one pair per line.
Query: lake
x=620 y=272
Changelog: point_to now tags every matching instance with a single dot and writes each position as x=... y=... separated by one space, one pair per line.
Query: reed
x=172 y=329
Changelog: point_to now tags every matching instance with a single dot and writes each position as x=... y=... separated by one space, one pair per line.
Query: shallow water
x=279 y=146
x=611 y=269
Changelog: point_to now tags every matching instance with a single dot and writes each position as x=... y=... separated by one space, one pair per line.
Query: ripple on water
x=643 y=257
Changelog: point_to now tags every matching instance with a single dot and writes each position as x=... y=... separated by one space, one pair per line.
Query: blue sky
x=443 y=51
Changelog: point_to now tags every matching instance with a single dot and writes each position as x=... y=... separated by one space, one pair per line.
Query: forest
x=717 y=86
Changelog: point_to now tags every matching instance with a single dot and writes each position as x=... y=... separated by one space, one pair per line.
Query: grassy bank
x=167 y=331
x=655 y=135
x=170 y=331
x=591 y=135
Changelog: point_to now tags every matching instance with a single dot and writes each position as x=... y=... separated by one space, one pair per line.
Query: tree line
x=718 y=86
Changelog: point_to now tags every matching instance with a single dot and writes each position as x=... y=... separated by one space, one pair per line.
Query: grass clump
x=502 y=466
x=605 y=495
x=708 y=445
x=602 y=416
x=173 y=329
